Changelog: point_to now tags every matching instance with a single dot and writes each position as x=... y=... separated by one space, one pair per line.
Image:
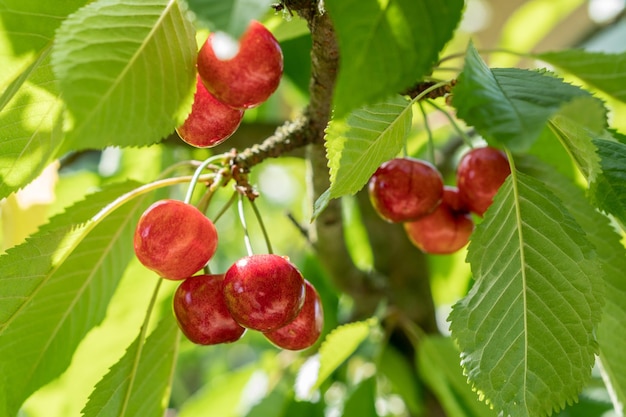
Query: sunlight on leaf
x=126 y=71
x=526 y=328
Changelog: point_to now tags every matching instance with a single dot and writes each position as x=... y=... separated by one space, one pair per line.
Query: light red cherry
x=201 y=312
x=441 y=232
x=405 y=189
x=480 y=174
x=174 y=239
x=244 y=74
x=210 y=122
x=306 y=328
x=264 y=292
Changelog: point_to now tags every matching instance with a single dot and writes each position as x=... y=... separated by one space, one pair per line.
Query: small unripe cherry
x=405 y=189
x=174 y=239
x=264 y=292
x=210 y=122
x=441 y=232
x=201 y=312
x=480 y=174
x=244 y=74
x=306 y=328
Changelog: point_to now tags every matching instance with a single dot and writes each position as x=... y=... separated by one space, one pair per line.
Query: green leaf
x=386 y=46
x=55 y=288
x=32 y=126
x=611 y=255
x=509 y=106
x=361 y=401
x=438 y=365
x=357 y=144
x=526 y=328
x=126 y=69
x=139 y=383
x=606 y=72
x=575 y=125
x=402 y=377
x=229 y=16
x=608 y=190
x=339 y=345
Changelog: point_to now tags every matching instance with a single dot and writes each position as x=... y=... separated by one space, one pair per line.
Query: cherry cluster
x=437 y=217
x=232 y=76
x=264 y=292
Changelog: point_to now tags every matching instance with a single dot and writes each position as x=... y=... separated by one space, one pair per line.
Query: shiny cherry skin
x=452 y=197
x=442 y=232
x=306 y=328
x=264 y=292
x=245 y=77
x=174 y=239
x=201 y=312
x=480 y=174
x=405 y=189
x=210 y=122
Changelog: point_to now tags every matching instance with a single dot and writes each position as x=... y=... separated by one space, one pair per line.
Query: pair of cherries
x=437 y=217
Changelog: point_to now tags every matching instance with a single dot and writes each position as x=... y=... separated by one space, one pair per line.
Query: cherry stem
x=226 y=206
x=196 y=175
x=242 y=219
x=429 y=132
x=259 y=218
x=455 y=125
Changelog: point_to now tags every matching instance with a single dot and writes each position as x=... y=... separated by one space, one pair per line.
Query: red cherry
x=441 y=232
x=480 y=174
x=306 y=328
x=210 y=122
x=246 y=77
x=264 y=292
x=174 y=239
x=201 y=312
x=452 y=197
x=405 y=189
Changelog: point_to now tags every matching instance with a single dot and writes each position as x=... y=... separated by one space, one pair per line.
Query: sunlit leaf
x=526 y=328
x=56 y=287
x=386 y=46
x=126 y=71
x=229 y=16
x=138 y=384
x=509 y=106
x=358 y=144
x=339 y=345
x=606 y=72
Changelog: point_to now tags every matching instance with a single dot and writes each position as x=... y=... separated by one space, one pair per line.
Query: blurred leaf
x=232 y=16
x=526 y=328
x=361 y=401
x=509 y=106
x=358 y=144
x=403 y=379
x=608 y=190
x=339 y=345
x=611 y=254
x=55 y=288
x=126 y=71
x=387 y=46
x=297 y=52
x=138 y=384
x=439 y=366
x=606 y=72
x=31 y=116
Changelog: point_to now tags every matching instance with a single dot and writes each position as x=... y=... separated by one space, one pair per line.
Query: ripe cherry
x=480 y=174
x=405 y=189
x=452 y=197
x=306 y=328
x=244 y=75
x=174 y=239
x=201 y=312
x=264 y=292
x=443 y=231
x=210 y=122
